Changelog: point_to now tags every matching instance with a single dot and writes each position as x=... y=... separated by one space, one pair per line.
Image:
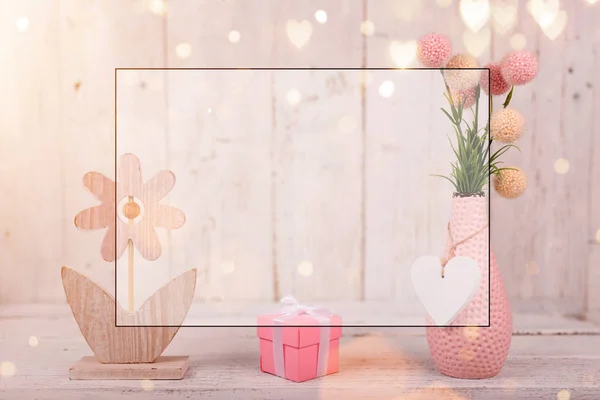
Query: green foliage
x=509 y=97
x=473 y=166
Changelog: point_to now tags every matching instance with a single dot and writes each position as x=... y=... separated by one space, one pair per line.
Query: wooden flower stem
x=130 y=292
x=131 y=247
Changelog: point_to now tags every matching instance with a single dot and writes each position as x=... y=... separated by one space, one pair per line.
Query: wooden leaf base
x=124 y=338
x=165 y=367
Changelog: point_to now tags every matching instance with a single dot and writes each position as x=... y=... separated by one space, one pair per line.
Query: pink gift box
x=301 y=346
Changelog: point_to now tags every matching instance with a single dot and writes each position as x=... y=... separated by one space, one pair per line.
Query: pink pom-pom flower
x=510 y=183
x=498 y=84
x=507 y=125
x=465 y=97
x=462 y=72
x=519 y=67
x=433 y=50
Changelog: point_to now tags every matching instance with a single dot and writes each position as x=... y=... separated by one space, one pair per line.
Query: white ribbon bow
x=291 y=309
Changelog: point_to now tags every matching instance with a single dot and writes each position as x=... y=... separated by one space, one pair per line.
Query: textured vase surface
x=474 y=352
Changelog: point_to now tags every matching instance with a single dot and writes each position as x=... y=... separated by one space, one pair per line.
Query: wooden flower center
x=131 y=209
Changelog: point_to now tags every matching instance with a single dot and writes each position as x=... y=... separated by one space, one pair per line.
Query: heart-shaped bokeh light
x=475 y=13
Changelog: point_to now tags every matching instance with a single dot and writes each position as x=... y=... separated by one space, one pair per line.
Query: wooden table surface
x=551 y=358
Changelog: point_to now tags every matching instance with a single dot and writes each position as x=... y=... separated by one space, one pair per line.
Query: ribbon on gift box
x=292 y=308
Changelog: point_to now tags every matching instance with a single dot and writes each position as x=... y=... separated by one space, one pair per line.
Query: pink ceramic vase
x=474 y=352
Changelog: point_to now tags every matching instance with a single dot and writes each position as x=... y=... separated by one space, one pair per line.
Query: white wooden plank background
x=222 y=146
x=33 y=199
x=259 y=211
x=545 y=263
x=592 y=273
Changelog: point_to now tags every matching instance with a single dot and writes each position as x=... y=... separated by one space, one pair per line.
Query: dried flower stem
x=474 y=165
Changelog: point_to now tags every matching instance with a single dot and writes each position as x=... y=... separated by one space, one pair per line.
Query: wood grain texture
x=142 y=198
x=353 y=312
x=94 y=40
x=592 y=86
x=401 y=194
x=407 y=210
x=219 y=143
x=317 y=151
x=318 y=185
x=552 y=216
x=125 y=338
x=374 y=364
x=169 y=367
x=31 y=153
x=139 y=92
x=247 y=170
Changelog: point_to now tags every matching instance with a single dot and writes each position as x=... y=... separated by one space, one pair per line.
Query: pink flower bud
x=519 y=67
x=498 y=84
x=433 y=50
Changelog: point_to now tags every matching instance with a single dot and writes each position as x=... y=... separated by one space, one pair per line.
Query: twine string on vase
x=450 y=252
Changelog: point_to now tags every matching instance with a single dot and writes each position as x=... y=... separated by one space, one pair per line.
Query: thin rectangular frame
x=311 y=326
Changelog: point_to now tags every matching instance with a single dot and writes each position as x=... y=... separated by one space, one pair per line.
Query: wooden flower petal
x=95 y=218
x=159 y=186
x=169 y=217
x=94 y=310
x=129 y=182
x=100 y=186
x=110 y=239
x=167 y=307
x=146 y=240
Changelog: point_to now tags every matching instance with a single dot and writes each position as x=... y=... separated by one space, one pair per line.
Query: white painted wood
x=513 y=261
x=407 y=209
x=87 y=97
x=318 y=185
x=220 y=149
x=590 y=93
x=537 y=367
x=353 y=313
x=87 y=125
x=551 y=218
x=317 y=155
x=593 y=279
x=31 y=215
x=219 y=143
x=145 y=137
x=258 y=176
x=93 y=43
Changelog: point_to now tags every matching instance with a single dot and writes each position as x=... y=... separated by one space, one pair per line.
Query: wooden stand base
x=169 y=367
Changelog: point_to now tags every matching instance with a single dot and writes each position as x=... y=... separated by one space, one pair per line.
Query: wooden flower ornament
x=131 y=211
x=137 y=208
x=132 y=215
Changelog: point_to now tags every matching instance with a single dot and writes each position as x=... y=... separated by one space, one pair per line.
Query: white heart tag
x=444 y=298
